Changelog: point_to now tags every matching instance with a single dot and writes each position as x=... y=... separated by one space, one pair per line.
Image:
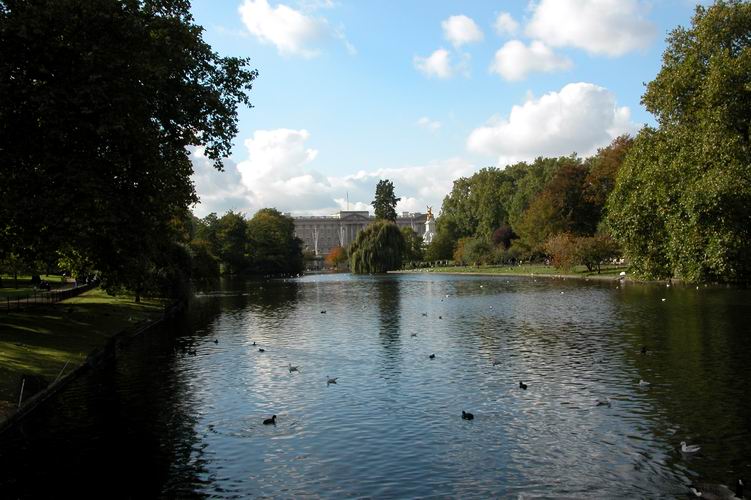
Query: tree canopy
x=682 y=201
x=385 y=201
x=101 y=100
x=378 y=248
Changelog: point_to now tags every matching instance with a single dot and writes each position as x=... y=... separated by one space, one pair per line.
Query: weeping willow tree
x=378 y=248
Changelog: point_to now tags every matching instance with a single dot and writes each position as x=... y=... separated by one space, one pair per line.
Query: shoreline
x=94 y=359
x=595 y=277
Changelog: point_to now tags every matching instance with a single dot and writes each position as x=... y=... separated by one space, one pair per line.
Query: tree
x=377 y=249
x=336 y=257
x=412 y=245
x=272 y=245
x=682 y=200
x=385 y=201
x=232 y=240
x=101 y=100
x=593 y=251
x=441 y=248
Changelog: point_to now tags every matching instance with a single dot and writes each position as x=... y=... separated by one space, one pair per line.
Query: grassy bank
x=37 y=342
x=21 y=286
x=607 y=272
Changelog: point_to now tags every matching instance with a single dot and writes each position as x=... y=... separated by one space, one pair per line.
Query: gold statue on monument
x=430 y=213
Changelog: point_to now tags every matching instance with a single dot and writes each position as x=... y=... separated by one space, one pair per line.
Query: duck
x=496 y=362
x=413 y=335
x=323 y=312
x=261 y=350
x=270 y=421
x=331 y=380
x=467 y=416
x=293 y=368
x=254 y=342
x=425 y=314
x=718 y=491
x=216 y=341
x=689 y=448
x=522 y=385
x=643 y=382
x=432 y=356
x=644 y=349
x=603 y=402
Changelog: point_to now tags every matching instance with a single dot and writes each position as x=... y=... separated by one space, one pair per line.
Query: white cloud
x=514 y=61
x=427 y=123
x=460 y=30
x=580 y=118
x=437 y=64
x=610 y=27
x=278 y=174
x=291 y=31
x=505 y=24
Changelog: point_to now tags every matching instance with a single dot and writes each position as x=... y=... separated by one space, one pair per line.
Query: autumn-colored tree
x=336 y=257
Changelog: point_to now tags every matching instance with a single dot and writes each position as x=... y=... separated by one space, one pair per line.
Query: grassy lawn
x=22 y=287
x=40 y=340
x=527 y=269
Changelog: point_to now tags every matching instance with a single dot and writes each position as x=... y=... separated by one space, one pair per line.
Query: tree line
x=675 y=200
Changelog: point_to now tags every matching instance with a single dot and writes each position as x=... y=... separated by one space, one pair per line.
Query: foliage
x=101 y=100
x=473 y=251
x=561 y=248
x=377 y=249
x=232 y=237
x=682 y=201
x=385 y=201
x=593 y=251
x=205 y=265
x=413 y=250
x=336 y=257
x=272 y=245
x=441 y=248
x=503 y=236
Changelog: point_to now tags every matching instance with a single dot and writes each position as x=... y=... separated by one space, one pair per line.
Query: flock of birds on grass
x=700 y=490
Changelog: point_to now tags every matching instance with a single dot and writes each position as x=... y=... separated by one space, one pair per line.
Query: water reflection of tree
x=698 y=351
x=389 y=312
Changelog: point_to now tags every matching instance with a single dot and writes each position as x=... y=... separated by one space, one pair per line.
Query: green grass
x=527 y=269
x=40 y=340
x=22 y=287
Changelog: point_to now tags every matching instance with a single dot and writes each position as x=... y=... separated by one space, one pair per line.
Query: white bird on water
x=689 y=448
x=603 y=402
x=643 y=382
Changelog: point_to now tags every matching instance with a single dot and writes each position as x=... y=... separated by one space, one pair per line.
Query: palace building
x=322 y=233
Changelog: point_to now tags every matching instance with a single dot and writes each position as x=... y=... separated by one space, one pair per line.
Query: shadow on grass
x=39 y=341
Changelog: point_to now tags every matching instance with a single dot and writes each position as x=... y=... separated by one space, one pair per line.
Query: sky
x=421 y=92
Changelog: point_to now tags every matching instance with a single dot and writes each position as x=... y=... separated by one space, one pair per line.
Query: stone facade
x=322 y=233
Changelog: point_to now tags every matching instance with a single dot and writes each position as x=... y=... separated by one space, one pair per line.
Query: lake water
x=180 y=415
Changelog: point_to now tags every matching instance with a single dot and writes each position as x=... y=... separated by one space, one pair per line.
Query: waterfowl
x=432 y=356
x=467 y=415
x=261 y=350
x=270 y=421
x=643 y=382
x=603 y=402
x=644 y=349
x=718 y=491
x=254 y=342
x=424 y=314
x=413 y=335
x=496 y=362
x=689 y=448
x=440 y=317
x=522 y=385
x=331 y=380
x=323 y=312
x=293 y=368
x=192 y=352
x=216 y=341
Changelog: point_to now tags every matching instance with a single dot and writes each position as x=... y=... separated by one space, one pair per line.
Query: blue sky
x=422 y=92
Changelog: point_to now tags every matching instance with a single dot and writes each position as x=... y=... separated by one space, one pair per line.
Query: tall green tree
x=682 y=201
x=413 y=250
x=232 y=239
x=385 y=201
x=378 y=248
x=272 y=246
x=100 y=101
